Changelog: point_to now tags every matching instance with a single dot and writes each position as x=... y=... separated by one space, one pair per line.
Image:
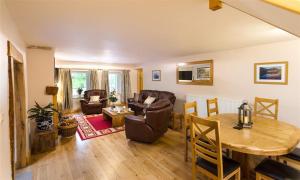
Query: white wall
x=40 y=68
x=233 y=77
x=8 y=31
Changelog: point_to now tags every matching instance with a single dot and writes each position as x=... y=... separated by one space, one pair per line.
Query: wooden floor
x=113 y=157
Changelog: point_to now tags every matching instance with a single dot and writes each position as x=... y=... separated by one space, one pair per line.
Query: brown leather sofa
x=93 y=108
x=152 y=127
x=138 y=106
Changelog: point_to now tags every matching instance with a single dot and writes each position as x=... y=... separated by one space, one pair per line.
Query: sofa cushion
x=167 y=95
x=94 y=92
x=160 y=104
x=94 y=99
x=159 y=95
x=295 y=154
x=276 y=170
x=136 y=97
x=146 y=93
x=149 y=100
x=229 y=166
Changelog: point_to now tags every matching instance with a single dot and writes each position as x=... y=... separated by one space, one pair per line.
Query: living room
x=116 y=81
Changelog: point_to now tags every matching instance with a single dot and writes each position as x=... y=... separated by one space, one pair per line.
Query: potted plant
x=79 y=91
x=67 y=126
x=42 y=116
x=113 y=98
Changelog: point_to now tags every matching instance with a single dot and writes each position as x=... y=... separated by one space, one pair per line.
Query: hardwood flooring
x=113 y=157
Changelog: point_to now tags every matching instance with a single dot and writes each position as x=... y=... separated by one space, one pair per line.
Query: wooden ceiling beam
x=215 y=4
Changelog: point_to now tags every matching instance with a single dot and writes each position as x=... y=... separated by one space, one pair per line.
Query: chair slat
x=210 y=110
x=206 y=151
x=207 y=158
x=262 y=106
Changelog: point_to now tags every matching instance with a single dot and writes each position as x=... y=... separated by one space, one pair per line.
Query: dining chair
x=212 y=110
x=266 y=107
x=269 y=169
x=207 y=155
x=190 y=108
x=293 y=157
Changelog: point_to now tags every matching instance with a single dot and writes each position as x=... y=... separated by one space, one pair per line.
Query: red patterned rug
x=91 y=126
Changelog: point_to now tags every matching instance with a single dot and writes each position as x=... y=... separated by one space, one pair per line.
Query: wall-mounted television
x=186 y=75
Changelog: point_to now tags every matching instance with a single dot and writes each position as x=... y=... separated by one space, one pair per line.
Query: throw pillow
x=136 y=97
x=149 y=100
x=94 y=99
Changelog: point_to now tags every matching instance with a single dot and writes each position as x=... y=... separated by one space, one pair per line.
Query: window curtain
x=126 y=87
x=104 y=81
x=94 y=79
x=65 y=89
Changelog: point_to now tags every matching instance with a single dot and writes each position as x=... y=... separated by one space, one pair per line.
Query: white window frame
x=87 y=72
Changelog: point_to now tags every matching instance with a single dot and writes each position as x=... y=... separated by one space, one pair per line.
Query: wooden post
x=215 y=4
x=52 y=90
x=55 y=115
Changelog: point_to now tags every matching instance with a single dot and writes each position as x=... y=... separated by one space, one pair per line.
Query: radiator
x=226 y=105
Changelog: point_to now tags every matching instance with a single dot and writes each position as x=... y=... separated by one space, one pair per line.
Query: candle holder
x=245 y=115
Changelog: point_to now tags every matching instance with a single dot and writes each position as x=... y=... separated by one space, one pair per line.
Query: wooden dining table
x=267 y=137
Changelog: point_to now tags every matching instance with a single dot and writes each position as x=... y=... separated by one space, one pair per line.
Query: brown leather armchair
x=137 y=103
x=152 y=127
x=93 y=108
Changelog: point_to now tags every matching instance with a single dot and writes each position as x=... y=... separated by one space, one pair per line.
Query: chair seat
x=276 y=170
x=295 y=155
x=229 y=166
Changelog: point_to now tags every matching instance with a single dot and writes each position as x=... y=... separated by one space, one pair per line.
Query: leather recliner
x=93 y=108
x=150 y=128
x=138 y=106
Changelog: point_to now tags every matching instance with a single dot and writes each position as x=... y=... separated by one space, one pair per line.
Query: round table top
x=267 y=136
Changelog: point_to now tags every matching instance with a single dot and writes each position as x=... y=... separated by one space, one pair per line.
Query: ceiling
x=278 y=16
x=136 y=31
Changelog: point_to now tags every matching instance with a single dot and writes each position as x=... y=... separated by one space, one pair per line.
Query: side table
x=44 y=141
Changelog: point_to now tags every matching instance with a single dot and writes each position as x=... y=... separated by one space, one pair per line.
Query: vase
x=113 y=105
x=44 y=124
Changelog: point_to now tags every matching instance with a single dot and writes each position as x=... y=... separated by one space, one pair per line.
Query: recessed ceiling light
x=181 y=64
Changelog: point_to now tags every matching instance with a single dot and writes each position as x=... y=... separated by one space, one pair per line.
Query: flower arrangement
x=113 y=96
x=79 y=91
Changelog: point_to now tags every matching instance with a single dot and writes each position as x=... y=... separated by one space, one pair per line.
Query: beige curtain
x=94 y=79
x=104 y=81
x=126 y=86
x=65 y=89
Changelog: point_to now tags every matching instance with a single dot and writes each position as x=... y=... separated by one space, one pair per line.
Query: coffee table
x=117 y=118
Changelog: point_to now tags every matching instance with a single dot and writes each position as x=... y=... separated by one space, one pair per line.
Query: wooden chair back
x=266 y=107
x=211 y=110
x=203 y=145
x=190 y=108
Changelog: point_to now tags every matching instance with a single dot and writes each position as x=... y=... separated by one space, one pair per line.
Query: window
x=80 y=79
x=115 y=81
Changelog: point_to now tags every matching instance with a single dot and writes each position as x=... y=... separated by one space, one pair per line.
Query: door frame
x=19 y=149
x=140 y=79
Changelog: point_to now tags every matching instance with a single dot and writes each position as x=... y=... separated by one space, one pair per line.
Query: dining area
x=250 y=142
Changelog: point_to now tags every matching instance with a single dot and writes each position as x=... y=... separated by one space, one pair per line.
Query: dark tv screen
x=185 y=75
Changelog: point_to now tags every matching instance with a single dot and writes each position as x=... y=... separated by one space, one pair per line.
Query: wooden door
x=140 y=80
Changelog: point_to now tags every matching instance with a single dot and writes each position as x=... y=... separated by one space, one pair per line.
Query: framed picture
x=271 y=73
x=156 y=75
x=195 y=73
x=203 y=73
